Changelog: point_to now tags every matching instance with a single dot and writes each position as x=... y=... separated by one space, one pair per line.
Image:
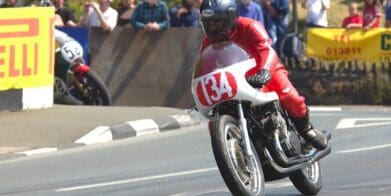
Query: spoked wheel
x=93 y=90
x=242 y=174
x=308 y=180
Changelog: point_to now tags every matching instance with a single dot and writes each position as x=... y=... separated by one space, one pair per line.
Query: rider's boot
x=318 y=139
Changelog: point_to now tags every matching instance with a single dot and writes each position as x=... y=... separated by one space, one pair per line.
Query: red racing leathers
x=252 y=36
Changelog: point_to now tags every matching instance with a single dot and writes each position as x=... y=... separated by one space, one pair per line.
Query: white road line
x=278 y=184
x=98 y=135
x=351 y=122
x=204 y=192
x=365 y=149
x=185 y=120
x=113 y=183
x=324 y=109
x=37 y=151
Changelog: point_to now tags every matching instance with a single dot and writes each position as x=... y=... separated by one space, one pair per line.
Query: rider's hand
x=259 y=79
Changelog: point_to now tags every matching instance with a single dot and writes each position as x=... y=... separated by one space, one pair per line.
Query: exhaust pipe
x=283 y=170
x=282 y=159
x=322 y=154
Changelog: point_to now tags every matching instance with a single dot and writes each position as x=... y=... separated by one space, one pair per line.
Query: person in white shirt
x=99 y=15
x=316 y=12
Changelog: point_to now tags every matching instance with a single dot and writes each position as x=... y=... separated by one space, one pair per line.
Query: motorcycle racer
x=61 y=37
x=220 y=21
x=72 y=52
x=75 y=82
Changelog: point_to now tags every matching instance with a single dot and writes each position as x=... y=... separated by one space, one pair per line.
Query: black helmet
x=219 y=18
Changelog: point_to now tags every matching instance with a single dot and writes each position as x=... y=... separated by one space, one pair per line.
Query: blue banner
x=80 y=34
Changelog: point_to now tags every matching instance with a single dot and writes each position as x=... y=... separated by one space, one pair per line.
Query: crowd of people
x=370 y=17
x=154 y=15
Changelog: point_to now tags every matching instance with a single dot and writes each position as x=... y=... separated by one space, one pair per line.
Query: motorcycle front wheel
x=308 y=180
x=94 y=90
x=243 y=175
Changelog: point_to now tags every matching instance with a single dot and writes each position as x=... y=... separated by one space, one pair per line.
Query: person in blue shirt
x=10 y=4
x=250 y=9
x=388 y=14
x=277 y=20
x=184 y=15
x=150 y=15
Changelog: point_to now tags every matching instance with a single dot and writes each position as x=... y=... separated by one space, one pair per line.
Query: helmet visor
x=214 y=26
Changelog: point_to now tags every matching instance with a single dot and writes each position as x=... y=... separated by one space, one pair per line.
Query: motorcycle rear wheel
x=308 y=180
x=243 y=176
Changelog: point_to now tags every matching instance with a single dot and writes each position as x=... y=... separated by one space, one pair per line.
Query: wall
x=146 y=69
x=155 y=69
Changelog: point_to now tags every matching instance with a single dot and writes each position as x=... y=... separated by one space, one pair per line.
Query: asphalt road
x=181 y=163
x=63 y=124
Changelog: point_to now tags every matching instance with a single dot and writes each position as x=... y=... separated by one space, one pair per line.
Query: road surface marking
x=225 y=190
x=98 y=135
x=351 y=122
x=324 y=109
x=12 y=149
x=37 y=151
x=145 y=126
x=208 y=192
x=187 y=120
x=279 y=184
x=365 y=148
x=128 y=181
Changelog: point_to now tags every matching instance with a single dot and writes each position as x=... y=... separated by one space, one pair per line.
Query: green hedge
x=342 y=82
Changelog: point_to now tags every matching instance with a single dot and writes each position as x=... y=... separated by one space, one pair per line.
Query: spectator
x=197 y=4
x=354 y=20
x=67 y=17
x=371 y=14
x=184 y=15
x=125 y=12
x=388 y=14
x=58 y=21
x=150 y=15
x=250 y=9
x=99 y=15
x=10 y=3
x=276 y=20
x=317 y=12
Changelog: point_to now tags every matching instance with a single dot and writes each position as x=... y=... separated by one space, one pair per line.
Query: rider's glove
x=259 y=79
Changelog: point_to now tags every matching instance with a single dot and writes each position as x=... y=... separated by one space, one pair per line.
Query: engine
x=271 y=118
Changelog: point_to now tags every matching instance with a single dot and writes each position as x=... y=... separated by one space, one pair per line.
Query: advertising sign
x=373 y=45
x=26 y=47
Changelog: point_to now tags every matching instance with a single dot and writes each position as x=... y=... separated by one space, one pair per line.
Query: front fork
x=244 y=131
x=78 y=69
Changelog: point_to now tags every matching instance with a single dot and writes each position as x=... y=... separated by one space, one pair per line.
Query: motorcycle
x=75 y=82
x=252 y=137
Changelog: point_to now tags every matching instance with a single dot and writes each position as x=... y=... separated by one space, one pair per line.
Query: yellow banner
x=26 y=47
x=349 y=44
